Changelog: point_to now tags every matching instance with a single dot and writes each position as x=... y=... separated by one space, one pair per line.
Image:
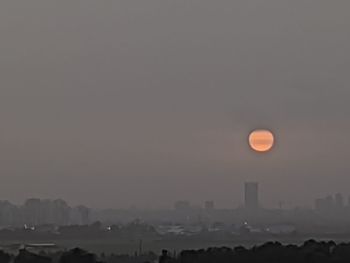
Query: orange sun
x=261 y=140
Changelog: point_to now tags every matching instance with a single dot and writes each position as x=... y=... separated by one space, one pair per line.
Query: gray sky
x=119 y=103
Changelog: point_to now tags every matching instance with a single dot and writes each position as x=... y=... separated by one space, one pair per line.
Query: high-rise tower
x=251 y=200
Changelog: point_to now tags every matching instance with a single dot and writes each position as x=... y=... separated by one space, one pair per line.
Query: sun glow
x=261 y=140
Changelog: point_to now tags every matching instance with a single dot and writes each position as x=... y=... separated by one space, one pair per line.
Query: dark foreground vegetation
x=271 y=252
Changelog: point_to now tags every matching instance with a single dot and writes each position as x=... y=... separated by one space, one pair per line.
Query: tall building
x=209 y=205
x=32 y=212
x=83 y=212
x=339 y=201
x=182 y=205
x=251 y=200
x=327 y=204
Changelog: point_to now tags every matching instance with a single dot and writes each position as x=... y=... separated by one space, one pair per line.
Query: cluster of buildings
x=185 y=218
x=251 y=199
x=331 y=203
x=36 y=212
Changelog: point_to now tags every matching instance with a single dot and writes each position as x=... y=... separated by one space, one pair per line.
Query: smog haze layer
x=121 y=103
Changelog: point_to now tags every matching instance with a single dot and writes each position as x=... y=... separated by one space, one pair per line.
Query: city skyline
x=250 y=200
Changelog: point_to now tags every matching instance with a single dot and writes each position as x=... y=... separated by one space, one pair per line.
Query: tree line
x=271 y=252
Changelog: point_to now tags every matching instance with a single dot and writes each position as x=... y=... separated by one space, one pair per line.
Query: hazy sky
x=125 y=102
